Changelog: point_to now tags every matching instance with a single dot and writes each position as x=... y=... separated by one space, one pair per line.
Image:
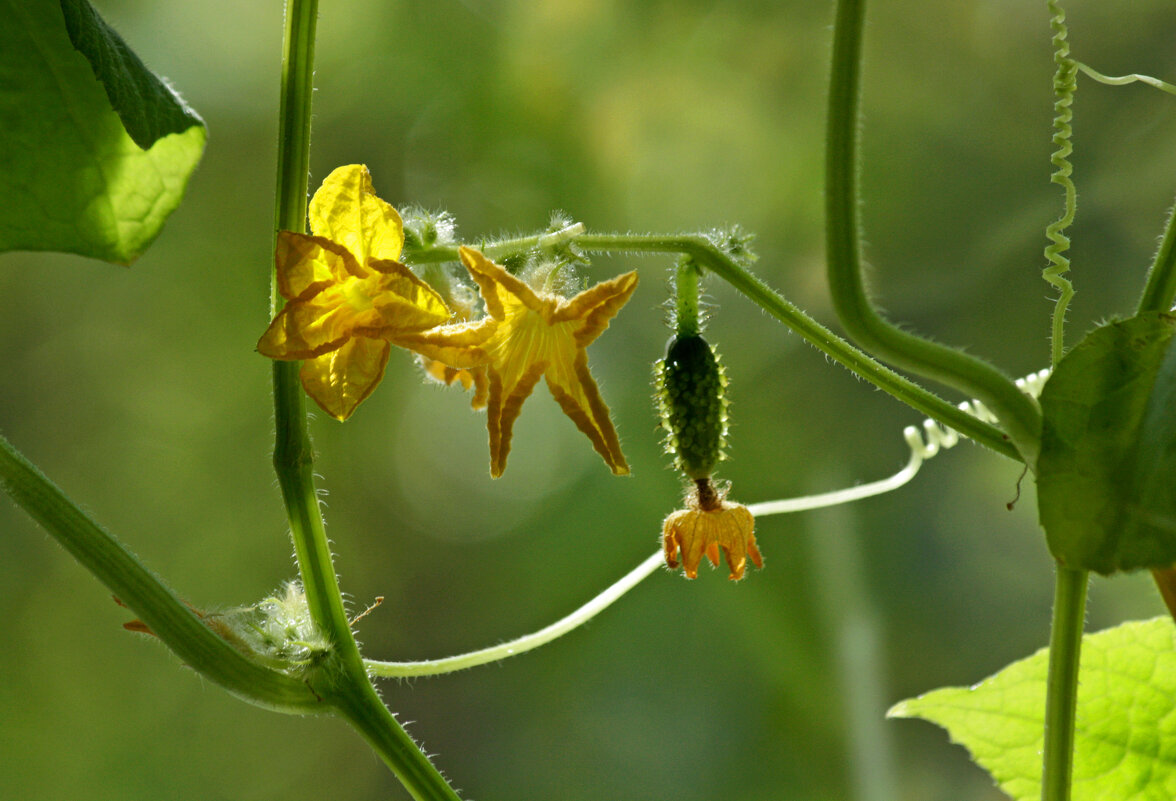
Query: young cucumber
x=691 y=392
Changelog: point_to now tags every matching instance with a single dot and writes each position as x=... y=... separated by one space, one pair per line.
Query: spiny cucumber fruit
x=691 y=394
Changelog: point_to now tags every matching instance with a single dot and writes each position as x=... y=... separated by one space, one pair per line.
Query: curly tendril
x=1065 y=83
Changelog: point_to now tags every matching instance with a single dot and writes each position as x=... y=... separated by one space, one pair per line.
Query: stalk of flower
x=528 y=335
x=691 y=395
x=348 y=296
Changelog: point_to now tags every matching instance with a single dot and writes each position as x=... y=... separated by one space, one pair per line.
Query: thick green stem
x=1061 y=701
x=1018 y=413
x=1160 y=291
x=349 y=689
x=293 y=453
x=362 y=708
x=168 y=617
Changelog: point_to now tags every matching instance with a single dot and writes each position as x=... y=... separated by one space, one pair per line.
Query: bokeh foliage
x=139 y=392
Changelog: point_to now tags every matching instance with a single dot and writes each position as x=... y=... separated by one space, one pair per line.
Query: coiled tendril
x=1065 y=83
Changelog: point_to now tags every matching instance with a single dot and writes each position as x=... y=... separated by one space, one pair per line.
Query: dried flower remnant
x=709 y=523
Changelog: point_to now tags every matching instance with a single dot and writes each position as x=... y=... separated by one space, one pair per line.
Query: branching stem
x=169 y=618
x=1019 y=415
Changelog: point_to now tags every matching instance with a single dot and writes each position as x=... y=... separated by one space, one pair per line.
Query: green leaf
x=71 y=176
x=1125 y=746
x=148 y=107
x=1108 y=448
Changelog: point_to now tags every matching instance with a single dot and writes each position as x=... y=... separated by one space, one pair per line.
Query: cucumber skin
x=691 y=393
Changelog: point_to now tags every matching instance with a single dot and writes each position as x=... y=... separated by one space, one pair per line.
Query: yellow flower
x=348 y=296
x=528 y=335
x=710 y=522
x=467 y=377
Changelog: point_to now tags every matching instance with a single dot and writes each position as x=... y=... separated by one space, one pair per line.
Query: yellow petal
x=309 y=327
x=305 y=264
x=404 y=302
x=498 y=287
x=576 y=393
x=505 y=403
x=340 y=380
x=474 y=377
x=595 y=307
x=347 y=210
x=457 y=345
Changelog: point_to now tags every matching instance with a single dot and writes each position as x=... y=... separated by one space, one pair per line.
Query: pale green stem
x=346 y=686
x=169 y=618
x=528 y=642
x=1061 y=700
x=1123 y=80
x=1019 y=414
x=431 y=667
x=838 y=497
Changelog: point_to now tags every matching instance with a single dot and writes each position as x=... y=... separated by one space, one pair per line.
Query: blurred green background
x=138 y=391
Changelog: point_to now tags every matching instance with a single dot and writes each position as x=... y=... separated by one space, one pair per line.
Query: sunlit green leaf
x=1108 y=448
x=1126 y=726
x=71 y=176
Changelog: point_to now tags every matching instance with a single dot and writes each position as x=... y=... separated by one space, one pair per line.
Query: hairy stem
x=348 y=687
x=705 y=254
x=293 y=453
x=1019 y=415
x=687 y=322
x=360 y=705
x=169 y=618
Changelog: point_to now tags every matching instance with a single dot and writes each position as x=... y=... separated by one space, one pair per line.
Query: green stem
x=686 y=318
x=528 y=642
x=362 y=708
x=169 y=618
x=350 y=690
x=1061 y=701
x=1123 y=80
x=704 y=253
x=1019 y=414
x=293 y=453
x=1160 y=291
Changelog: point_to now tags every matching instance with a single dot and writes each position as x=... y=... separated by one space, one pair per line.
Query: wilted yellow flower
x=710 y=522
x=528 y=335
x=348 y=296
